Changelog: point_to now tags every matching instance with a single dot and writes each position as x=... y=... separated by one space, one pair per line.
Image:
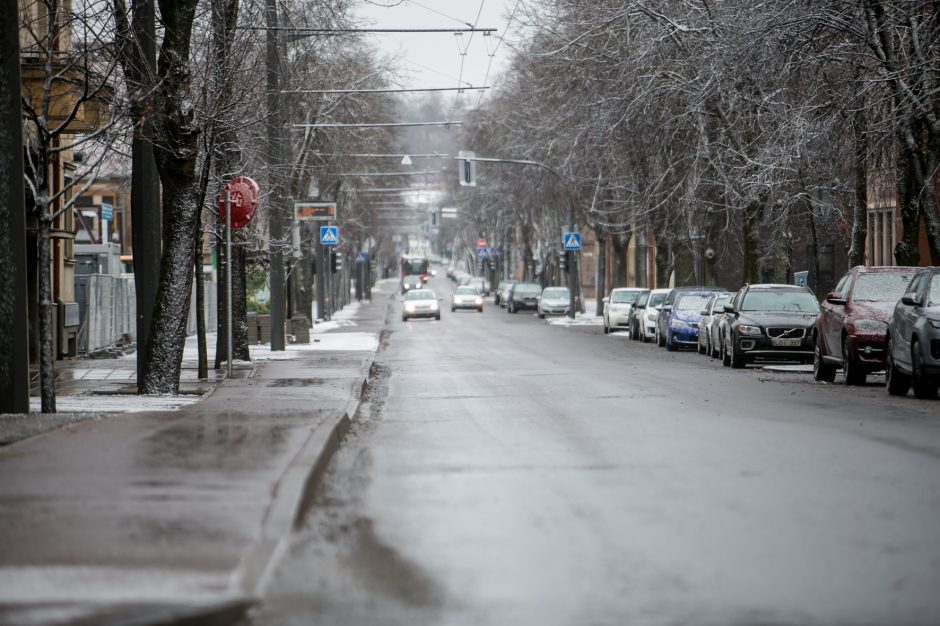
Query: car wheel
x=480 y=310
x=737 y=360
x=606 y=328
x=438 y=317
x=660 y=340
x=452 y=309
x=924 y=388
x=404 y=318
x=822 y=371
x=896 y=381
x=541 y=315
x=723 y=353
x=852 y=373
x=699 y=347
x=670 y=342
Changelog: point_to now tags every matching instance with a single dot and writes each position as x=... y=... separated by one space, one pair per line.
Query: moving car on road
x=554 y=301
x=523 y=296
x=420 y=303
x=851 y=327
x=617 y=307
x=466 y=298
x=914 y=338
x=772 y=321
x=411 y=281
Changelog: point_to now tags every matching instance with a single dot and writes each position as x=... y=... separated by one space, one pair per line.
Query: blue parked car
x=680 y=318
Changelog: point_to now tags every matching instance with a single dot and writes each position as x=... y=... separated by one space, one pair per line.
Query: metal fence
x=108 y=310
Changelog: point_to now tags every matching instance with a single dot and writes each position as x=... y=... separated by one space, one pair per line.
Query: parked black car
x=523 y=296
x=914 y=338
x=772 y=321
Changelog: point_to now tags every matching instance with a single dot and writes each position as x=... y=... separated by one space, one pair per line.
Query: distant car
x=668 y=323
x=914 y=338
x=708 y=324
x=554 y=301
x=466 y=298
x=482 y=285
x=772 y=321
x=649 y=314
x=420 y=303
x=683 y=317
x=617 y=307
x=523 y=296
x=411 y=281
x=498 y=293
x=851 y=328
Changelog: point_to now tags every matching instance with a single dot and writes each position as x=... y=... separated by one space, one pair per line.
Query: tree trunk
x=618 y=244
x=46 y=354
x=859 y=226
x=203 y=367
x=906 y=252
x=600 y=282
x=751 y=234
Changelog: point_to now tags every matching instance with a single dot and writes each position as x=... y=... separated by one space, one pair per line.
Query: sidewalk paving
x=159 y=516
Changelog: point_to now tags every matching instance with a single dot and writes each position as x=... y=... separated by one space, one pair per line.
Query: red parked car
x=850 y=329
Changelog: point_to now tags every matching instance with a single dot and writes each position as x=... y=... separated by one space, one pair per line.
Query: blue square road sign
x=572 y=241
x=329 y=235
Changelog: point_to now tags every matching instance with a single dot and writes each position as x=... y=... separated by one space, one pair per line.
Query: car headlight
x=744 y=329
x=410 y=308
x=681 y=324
x=479 y=301
x=870 y=326
x=434 y=306
x=934 y=323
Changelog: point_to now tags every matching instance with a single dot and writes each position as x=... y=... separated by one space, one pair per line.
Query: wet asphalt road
x=506 y=471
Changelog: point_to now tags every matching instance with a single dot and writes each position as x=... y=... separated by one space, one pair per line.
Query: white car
x=466 y=298
x=554 y=301
x=617 y=306
x=420 y=303
x=649 y=314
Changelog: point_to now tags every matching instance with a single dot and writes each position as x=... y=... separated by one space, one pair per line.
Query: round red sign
x=243 y=198
x=481 y=243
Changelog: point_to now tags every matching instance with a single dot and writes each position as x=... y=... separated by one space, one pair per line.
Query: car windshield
x=555 y=293
x=934 y=291
x=721 y=301
x=466 y=291
x=656 y=299
x=881 y=286
x=420 y=294
x=691 y=303
x=787 y=301
x=527 y=288
x=412 y=278
x=628 y=297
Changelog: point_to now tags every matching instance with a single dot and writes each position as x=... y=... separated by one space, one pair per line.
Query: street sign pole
x=228 y=280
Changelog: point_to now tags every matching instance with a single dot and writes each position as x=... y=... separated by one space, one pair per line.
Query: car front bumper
x=763 y=347
x=421 y=313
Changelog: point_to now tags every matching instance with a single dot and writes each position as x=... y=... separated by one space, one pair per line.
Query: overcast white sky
x=434 y=60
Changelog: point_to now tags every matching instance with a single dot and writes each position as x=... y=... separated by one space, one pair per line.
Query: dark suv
x=850 y=330
x=773 y=321
x=523 y=296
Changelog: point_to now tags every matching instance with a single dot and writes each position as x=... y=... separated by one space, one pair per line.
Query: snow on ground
x=122 y=403
x=580 y=319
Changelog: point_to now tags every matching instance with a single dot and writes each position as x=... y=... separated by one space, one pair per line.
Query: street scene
x=469 y=312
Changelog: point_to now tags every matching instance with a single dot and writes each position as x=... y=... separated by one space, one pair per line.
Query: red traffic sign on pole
x=481 y=243
x=243 y=193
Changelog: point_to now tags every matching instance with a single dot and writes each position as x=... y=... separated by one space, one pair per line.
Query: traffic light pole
x=573 y=267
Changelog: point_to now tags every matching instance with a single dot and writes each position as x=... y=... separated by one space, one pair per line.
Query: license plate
x=785 y=343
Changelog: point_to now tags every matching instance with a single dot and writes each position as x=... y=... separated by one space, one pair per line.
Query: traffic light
x=336 y=261
x=467 y=169
x=563 y=261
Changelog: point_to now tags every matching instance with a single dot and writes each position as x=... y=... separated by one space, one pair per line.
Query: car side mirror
x=729 y=308
x=911 y=299
x=703 y=312
x=640 y=306
x=834 y=298
x=605 y=300
x=667 y=308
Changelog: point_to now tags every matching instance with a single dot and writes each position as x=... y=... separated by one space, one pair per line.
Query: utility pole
x=275 y=153
x=14 y=338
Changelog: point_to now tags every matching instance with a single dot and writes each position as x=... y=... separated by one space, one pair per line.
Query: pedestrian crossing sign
x=329 y=235
x=362 y=257
x=572 y=241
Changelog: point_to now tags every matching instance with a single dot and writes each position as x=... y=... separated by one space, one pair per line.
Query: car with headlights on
x=648 y=308
x=851 y=328
x=420 y=303
x=411 y=281
x=466 y=297
x=554 y=301
x=771 y=322
x=523 y=296
x=914 y=338
x=617 y=307
x=709 y=323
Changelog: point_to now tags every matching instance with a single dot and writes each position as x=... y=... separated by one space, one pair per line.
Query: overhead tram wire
x=375 y=125
x=390 y=90
x=499 y=43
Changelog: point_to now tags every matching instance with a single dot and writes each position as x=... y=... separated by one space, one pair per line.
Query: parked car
x=684 y=323
x=420 y=303
x=772 y=321
x=523 y=296
x=914 y=338
x=481 y=283
x=850 y=330
x=648 y=314
x=411 y=281
x=466 y=297
x=681 y=319
x=498 y=292
x=617 y=307
x=554 y=301
x=707 y=326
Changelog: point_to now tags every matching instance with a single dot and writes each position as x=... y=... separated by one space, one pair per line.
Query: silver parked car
x=554 y=301
x=914 y=338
